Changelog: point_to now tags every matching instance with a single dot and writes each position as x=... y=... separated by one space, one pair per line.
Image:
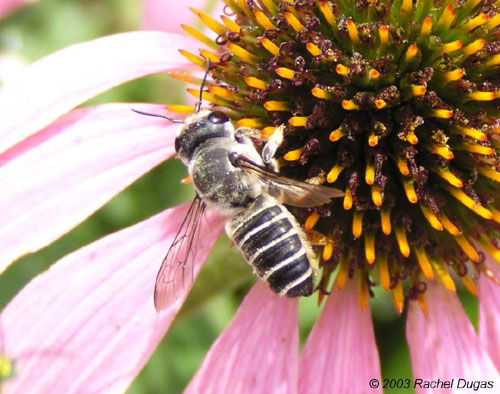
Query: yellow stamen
x=447 y=18
x=187 y=180
x=206 y=96
x=222 y=92
x=410 y=191
x=451 y=46
x=268 y=131
x=475 y=22
x=494 y=61
x=242 y=53
x=337 y=134
x=327 y=13
x=347 y=199
x=180 y=109
x=200 y=36
x=469 y=285
x=489 y=248
x=470 y=132
x=443 y=151
x=402 y=166
x=184 y=77
x=311 y=221
x=426 y=26
x=479 y=149
x=383 y=33
x=404 y=248
x=271 y=47
x=357 y=224
x=383 y=267
x=263 y=20
x=230 y=24
x=385 y=220
x=406 y=6
x=481 y=96
x=274 y=105
x=490 y=172
x=297 y=121
x=470 y=203
x=293 y=154
x=192 y=58
x=454 y=75
x=370 y=174
x=431 y=218
x=474 y=46
x=412 y=138
x=210 y=22
x=349 y=105
x=370 y=247
x=342 y=70
x=294 y=22
x=343 y=272
x=380 y=104
x=327 y=251
x=255 y=83
x=442 y=113
x=467 y=247
x=352 y=30
x=271 y=7
x=334 y=173
x=373 y=74
x=244 y=6
x=373 y=139
x=423 y=262
x=321 y=94
x=418 y=90
x=422 y=303
x=252 y=123
x=377 y=195
x=411 y=52
x=398 y=297
x=364 y=294
x=493 y=22
x=449 y=177
x=449 y=225
x=284 y=72
x=444 y=276
x=313 y=49
x=206 y=54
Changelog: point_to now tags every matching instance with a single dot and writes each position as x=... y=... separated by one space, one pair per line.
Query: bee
x=232 y=178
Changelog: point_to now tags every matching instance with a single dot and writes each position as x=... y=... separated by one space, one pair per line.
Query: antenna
x=157 y=116
x=196 y=107
x=202 y=86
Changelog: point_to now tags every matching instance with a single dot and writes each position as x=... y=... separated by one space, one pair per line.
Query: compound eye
x=218 y=117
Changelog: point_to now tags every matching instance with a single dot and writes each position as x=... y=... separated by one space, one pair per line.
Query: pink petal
x=341 y=355
x=88 y=324
x=62 y=174
x=168 y=16
x=489 y=312
x=8 y=6
x=444 y=345
x=257 y=353
x=57 y=83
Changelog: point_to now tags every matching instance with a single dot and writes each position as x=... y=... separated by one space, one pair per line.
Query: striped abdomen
x=272 y=242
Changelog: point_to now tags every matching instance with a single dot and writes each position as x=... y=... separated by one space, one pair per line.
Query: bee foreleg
x=271 y=147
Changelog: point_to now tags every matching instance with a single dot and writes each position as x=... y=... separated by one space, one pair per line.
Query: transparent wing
x=289 y=191
x=178 y=264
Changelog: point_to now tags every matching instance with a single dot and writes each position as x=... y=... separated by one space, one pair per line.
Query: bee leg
x=272 y=145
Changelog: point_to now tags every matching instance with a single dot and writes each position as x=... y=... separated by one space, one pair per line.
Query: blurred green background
x=48 y=25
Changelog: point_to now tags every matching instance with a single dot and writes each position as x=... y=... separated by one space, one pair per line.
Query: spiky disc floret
x=394 y=102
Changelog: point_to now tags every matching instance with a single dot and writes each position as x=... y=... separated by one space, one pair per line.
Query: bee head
x=199 y=128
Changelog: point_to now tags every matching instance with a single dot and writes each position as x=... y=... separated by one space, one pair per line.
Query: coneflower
x=397 y=104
